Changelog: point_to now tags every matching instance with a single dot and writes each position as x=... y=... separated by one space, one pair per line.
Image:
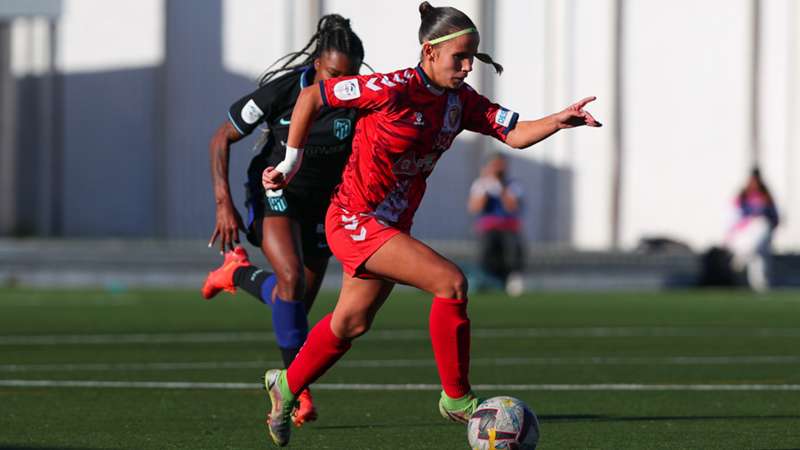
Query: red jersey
x=404 y=125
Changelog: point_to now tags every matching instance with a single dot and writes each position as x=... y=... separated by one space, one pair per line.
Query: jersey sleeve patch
x=347 y=89
x=251 y=113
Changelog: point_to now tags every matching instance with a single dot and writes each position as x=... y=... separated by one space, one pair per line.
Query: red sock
x=321 y=350
x=449 y=328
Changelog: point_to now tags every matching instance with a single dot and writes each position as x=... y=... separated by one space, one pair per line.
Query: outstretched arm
x=529 y=132
x=309 y=102
x=228 y=219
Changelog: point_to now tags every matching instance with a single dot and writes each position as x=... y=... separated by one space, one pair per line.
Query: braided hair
x=438 y=22
x=333 y=34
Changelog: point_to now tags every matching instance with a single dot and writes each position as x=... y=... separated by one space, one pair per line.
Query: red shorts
x=353 y=238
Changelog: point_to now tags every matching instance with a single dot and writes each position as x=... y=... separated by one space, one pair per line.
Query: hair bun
x=425 y=8
x=333 y=21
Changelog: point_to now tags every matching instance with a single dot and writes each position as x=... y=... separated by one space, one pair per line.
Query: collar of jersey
x=308 y=72
x=428 y=83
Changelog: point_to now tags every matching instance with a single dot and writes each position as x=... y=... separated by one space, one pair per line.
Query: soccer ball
x=503 y=423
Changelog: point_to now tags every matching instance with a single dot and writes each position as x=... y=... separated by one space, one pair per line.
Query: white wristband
x=291 y=162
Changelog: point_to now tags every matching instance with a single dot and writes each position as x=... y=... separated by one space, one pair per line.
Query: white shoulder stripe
x=385 y=80
x=371 y=84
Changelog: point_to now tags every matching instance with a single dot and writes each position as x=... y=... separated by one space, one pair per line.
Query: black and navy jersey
x=328 y=145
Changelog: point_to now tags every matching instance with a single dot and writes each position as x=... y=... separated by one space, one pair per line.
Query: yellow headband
x=452 y=35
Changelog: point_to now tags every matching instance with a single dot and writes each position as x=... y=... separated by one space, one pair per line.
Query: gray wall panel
x=109 y=146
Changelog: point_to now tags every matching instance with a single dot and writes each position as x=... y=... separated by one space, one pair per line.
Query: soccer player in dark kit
x=407 y=119
x=287 y=224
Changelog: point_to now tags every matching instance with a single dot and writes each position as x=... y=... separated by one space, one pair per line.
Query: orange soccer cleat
x=222 y=278
x=305 y=411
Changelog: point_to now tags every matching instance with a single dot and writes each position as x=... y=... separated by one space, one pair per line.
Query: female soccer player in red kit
x=407 y=119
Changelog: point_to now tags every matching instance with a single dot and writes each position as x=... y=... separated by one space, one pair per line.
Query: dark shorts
x=308 y=208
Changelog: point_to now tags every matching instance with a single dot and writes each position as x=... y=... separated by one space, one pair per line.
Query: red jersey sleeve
x=485 y=117
x=360 y=92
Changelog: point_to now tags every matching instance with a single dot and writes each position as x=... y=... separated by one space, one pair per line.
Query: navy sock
x=256 y=282
x=288 y=355
x=288 y=318
x=290 y=323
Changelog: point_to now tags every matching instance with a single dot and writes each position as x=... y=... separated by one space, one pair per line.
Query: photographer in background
x=496 y=200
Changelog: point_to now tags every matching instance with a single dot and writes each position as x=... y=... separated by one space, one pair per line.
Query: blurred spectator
x=496 y=200
x=750 y=238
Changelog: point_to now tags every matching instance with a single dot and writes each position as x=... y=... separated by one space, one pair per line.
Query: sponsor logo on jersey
x=503 y=117
x=409 y=164
x=341 y=128
x=284 y=121
x=419 y=119
x=251 y=112
x=347 y=89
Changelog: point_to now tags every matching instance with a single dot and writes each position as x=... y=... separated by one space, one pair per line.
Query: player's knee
x=351 y=327
x=291 y=283
x=453 y=285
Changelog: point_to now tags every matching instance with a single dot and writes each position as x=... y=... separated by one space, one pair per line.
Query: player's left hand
x=273 y=179
x=574 y=115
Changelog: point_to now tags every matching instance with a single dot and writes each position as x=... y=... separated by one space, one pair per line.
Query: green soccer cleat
x=458 y=409
x=279 y=419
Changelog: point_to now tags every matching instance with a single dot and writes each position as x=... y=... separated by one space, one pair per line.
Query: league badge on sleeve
x=251 y=112
x=347 y=89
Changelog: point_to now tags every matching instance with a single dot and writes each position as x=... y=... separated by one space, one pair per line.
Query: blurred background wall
x=107 y=107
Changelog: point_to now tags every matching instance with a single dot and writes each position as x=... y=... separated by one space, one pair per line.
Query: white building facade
x=692 y=95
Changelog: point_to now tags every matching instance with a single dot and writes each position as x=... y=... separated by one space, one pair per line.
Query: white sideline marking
x=403 y=387
x=395 y=335
x=396 y=363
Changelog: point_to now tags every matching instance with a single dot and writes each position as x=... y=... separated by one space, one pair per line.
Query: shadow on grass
x=601 y=418
x=565 y=418
x=43 y=447
x=383 y=425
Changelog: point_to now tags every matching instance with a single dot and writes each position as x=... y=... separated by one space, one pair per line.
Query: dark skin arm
x=229 y=222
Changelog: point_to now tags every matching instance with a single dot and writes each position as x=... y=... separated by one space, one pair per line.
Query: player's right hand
x=273 y=179
x=229 y=222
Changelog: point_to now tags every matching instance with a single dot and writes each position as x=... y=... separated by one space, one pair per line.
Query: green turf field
x=693 y=370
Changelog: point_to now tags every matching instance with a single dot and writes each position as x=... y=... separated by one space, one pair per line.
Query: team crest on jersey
x=341 y=128
x=452 y=114
x=347 y=89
